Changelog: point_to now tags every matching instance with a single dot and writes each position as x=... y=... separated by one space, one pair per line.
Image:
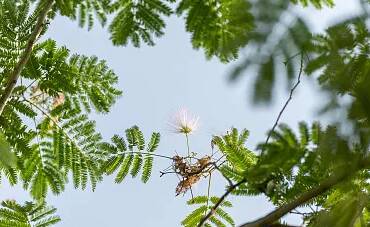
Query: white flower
x=184 y=122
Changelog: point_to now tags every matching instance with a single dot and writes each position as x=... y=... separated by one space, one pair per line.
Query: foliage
x=7 y=157
x=232 y=145
x=342 y=56
x=220 y=27
x=128 y=159
x=138 y=21
x=64 y=139
x=48 y=139
x=279 y=36
x=291 y=164
x=57 y=92
x=27 y=215
x=205 y=203
x=141 y=21
x=345 y=211
x=316 y=3
x=18 y=24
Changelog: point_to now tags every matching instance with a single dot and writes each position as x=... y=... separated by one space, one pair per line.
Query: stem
x=14 y=75
x=147 y=153
x=188 y=147
x=214 y=208
x=208 y=191
x=286 y=102
x=191 y=192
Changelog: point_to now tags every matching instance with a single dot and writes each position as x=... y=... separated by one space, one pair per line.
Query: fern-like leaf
x=131 y=158
x=221 y=27
x=205 y=204
x=29 y=214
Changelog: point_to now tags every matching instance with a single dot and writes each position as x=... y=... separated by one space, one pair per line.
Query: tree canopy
x=47 y=137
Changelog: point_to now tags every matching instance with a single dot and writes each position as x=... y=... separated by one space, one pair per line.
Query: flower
x=184 y=122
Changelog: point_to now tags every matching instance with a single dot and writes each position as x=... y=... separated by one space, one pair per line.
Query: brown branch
x=306 y=196
x=14 y=75
x=234 y=186
x=287 y=101
x=223 y=197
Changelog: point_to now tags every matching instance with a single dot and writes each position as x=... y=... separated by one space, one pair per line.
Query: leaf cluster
x=239 y=158
x=220 y=219
x=292 y=163
x=47 y=136
x=131 y=156
x=220 y=27
x=342 y=60
x=279 y=36
x=28 y=215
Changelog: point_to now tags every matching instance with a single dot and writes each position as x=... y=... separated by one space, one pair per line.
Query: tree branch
x=14 y=75
x=234 y=186
x=304 y=197
x=287 y=101
x=214 y=208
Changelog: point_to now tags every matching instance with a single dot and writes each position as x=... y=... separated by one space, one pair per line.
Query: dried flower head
x=184 y=122
x=190 y=173
x=186 y=184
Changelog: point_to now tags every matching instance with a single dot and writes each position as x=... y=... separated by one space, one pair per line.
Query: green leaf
x=125 y=167
x=7 y=157
x=317 y=3
x=138 y=21
x=274 y=43
x=29 y=214
x=220 y=27
x=205 y=204
x=343 y=213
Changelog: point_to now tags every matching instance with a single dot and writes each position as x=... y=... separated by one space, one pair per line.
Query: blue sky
x=156 y=81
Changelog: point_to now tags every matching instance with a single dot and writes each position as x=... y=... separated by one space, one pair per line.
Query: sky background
x=157 y=81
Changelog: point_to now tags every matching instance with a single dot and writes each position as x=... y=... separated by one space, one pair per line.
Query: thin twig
x=208 y=191
x=287 y=102
x=191 y=192
x=14 y=75
x=295 y=211
x=291 y=57
x=219 y=170
x=312 y=208
x=214 y=208
x=234 y=186
x=146 y=153
x=46 y=114
x=164 y=173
